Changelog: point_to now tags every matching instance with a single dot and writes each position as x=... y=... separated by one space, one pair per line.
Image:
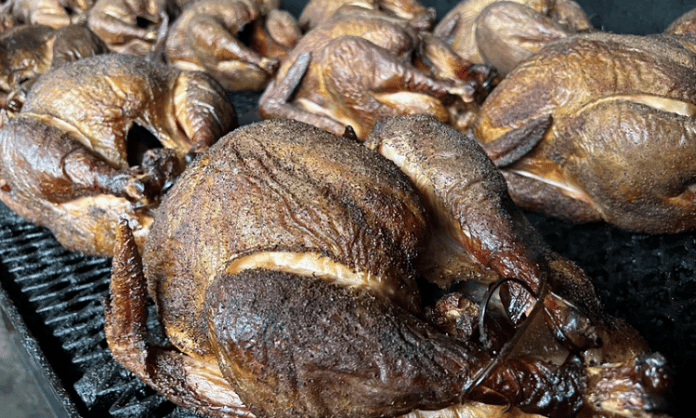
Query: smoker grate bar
x=60 y=266
x=68 y=321
x=64 y=292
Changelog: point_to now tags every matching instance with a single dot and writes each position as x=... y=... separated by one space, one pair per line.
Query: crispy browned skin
x=283 y=210
x=282 y=265
x=30 y=50
x=25 y=52
x=504 y=33
x=345 y=353
x=468 y=196
x=65 y=158
x=205 y=38
x=685 y=26
x=358 y=67
x=617 y=104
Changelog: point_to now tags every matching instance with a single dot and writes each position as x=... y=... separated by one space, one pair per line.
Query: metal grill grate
x=59 y=295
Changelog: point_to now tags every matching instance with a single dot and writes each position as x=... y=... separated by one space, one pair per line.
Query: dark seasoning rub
x=650 y=281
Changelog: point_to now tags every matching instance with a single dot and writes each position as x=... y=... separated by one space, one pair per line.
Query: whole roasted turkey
x=609 y=130
x=103 y=136
x=27 y=51
x=206 y=37
x=53 y=13
x=364 y=63
x=285 y=267
x=504 y=33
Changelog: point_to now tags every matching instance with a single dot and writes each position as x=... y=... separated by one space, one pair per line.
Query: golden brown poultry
x=504 y=33
x=275 y=34
x=283 y=264
x=603 y=107
x=28 y=51
x=136 y=27
x=316 y=12
x=685 y=26
x=205 y=37
x=75 y=158
x=52 y=13
x=360 y=66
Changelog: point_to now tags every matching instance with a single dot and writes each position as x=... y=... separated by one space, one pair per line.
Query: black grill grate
x=59 y=295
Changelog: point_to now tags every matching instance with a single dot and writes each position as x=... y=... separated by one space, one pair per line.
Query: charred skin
x=177 y=376
x=473 y=208
x=303 y=365
x=632 y=101
x=326 y=350
x=297 y=204
x=469 y=195
x=298 y=299
x=65 y=158
x=338 y=334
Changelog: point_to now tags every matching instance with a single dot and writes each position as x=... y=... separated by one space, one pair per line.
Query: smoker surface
x=52 y=298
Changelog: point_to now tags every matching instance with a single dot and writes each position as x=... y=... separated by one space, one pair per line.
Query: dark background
x=638 y=17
